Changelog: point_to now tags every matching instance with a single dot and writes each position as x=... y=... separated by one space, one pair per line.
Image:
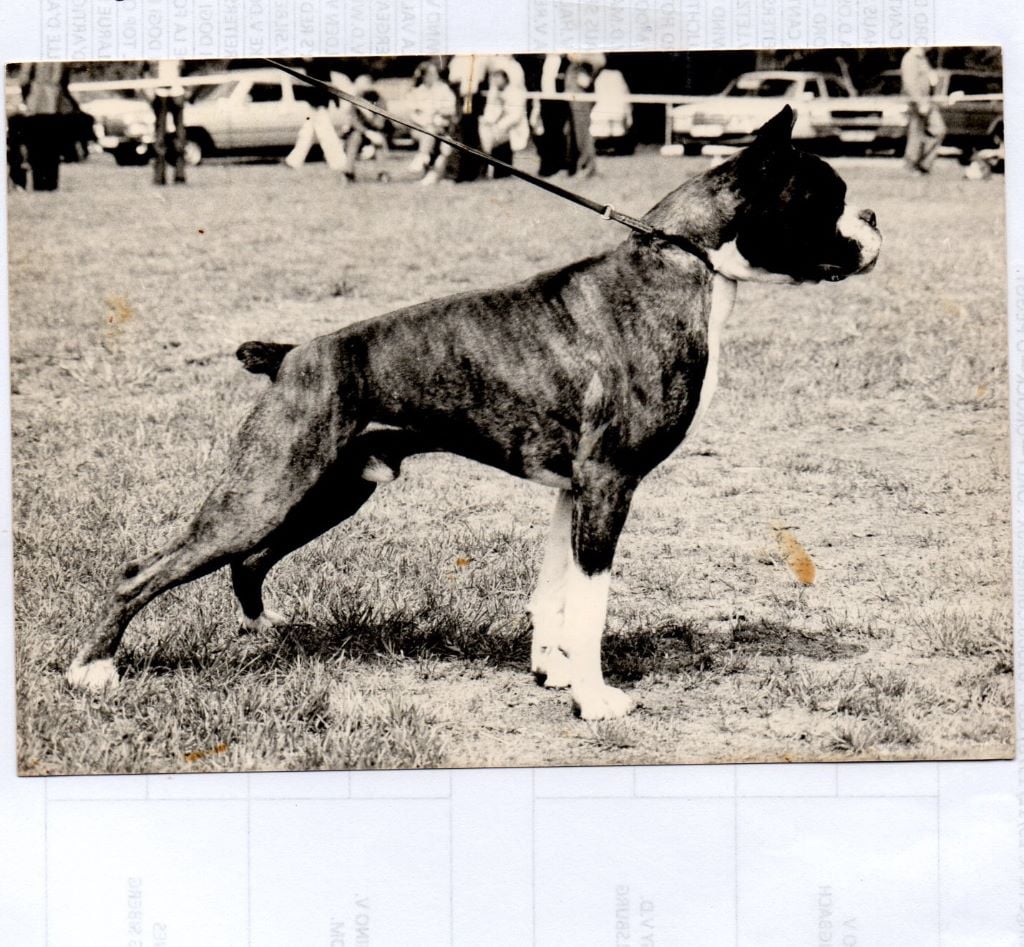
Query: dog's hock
x=96 y=676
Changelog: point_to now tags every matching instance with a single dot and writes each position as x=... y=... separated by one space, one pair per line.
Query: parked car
x=611 y=119
x=971 y=102
x=248 y=112
x=752 y=98
x=120 y=121
x=258 y=111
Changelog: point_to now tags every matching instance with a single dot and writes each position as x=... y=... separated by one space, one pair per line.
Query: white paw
x=601 y=702
x=552 y=665
x=266 y=620
x=95 y=676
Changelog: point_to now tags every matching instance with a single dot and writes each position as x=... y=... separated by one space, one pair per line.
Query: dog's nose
x=868 y=216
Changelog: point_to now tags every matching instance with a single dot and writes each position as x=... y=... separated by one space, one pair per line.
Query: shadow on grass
x=435 y=630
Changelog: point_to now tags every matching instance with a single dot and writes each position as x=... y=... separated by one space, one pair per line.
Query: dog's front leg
x=600 y=504
x=548 y=661
x=601 y=494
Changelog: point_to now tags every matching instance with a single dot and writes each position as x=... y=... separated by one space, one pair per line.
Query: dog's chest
x=723 y=297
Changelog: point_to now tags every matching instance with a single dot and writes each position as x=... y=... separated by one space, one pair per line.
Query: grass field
x=869 y=418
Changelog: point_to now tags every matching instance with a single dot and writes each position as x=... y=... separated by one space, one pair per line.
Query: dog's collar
x=680 y=242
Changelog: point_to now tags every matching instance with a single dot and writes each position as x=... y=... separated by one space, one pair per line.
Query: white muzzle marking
x=854 y=228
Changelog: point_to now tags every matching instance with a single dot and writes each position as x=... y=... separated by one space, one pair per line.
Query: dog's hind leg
x=371 y=458
x=334 y=499
x=284 y=448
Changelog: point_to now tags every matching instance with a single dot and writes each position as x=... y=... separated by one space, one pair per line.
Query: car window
x=265 y=92
x=811 y=87
x=974 y=84
x=303 y=92
x=836 y=89
x=887 y=84
x=761 y=87
x=208 y=93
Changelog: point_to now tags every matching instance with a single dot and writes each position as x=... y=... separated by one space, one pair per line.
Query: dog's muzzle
x=860 y=226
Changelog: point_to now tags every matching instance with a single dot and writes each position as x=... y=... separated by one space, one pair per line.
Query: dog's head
x=779 y=214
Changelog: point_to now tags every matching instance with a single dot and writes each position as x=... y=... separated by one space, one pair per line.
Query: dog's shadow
x=436 y=631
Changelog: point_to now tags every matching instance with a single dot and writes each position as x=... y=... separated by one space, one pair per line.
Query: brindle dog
x=582 y=379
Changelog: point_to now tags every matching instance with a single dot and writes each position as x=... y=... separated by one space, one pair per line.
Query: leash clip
x=607 y=212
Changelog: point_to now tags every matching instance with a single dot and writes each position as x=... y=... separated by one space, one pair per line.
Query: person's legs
x=16 y=168
x=436 y=168
x=503 y=152
x=303 y=142
x=462 y=166
x=44 y=152
x=424 y=151
x=330 y=143
x=934 y=132
x=551 y=143
x=915 y=139
x=585 y=153
x=160 y=112
x=176 y=109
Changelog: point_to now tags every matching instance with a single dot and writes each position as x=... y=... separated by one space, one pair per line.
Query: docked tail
x=263 y=358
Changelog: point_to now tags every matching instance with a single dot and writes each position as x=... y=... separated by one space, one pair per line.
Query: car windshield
x=975 y=84
x=220 y=90
x=761 y=87
x=92 y=95
x=887 y=84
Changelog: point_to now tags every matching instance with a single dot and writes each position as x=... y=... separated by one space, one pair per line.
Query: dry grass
x=868 y=419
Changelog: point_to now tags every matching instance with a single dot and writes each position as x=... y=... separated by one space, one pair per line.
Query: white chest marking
x=723 y=296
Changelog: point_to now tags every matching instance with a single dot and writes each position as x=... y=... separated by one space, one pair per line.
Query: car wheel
x=127 y=155
x=197 y=147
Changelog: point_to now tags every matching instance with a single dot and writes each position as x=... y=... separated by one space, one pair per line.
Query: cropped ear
x=779 y=129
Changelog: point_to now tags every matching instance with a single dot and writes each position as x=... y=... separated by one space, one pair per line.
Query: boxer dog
x=582 y=379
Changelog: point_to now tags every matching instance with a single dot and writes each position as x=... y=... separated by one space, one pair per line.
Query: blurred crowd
x=489 y=103
x=478 y=100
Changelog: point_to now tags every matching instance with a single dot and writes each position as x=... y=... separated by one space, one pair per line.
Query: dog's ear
x=778 y=130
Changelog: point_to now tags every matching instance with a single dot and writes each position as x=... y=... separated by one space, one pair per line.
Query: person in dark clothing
x=580 y=73
x=44 y=88
x=467 y=77
x=168 y=107
x=550 y=120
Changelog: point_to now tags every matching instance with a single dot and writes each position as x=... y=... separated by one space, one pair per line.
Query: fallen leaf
x=796 y=557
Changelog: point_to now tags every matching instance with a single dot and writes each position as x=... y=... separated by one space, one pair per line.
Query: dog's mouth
x=833 y=273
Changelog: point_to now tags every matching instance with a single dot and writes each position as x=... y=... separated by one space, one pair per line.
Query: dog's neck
x=702 y=210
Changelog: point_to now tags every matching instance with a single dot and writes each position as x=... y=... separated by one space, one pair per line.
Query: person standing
x=318 y=126
x=550 y=118
x=580 y=72
x=466 y=75
x=168 y=109
x=925 y=127
x=44 y=89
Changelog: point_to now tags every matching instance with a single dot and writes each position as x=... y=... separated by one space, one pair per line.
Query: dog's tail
x=263 y=358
